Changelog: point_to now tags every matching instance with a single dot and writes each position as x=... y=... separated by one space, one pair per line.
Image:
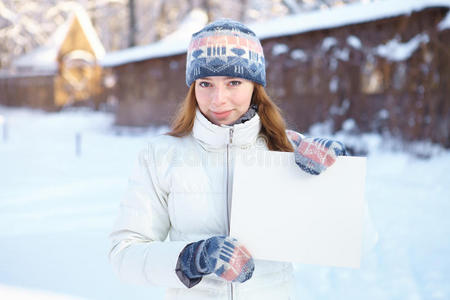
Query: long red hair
x=273 y=126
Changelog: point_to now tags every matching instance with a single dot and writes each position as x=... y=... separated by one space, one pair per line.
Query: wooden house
x=62 y=72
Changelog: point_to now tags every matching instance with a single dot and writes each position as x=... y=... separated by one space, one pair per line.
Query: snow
x=174 y=44
x=159 y=49
x=299 y=54
x=354 y=41
x=341 y=109
x=279 y=49
x=57 y=208
x=342 y=54
x=341 y=16
x=42 y=59
x=91 y=34
x=15 y=293
x=396 y=51
x=349 y=125
x=7 y=14
x=334 y=84
x=328 y=42
x=383 y=114
x=445 y=23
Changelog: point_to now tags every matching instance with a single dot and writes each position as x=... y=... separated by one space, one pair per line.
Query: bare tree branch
x=293 y=6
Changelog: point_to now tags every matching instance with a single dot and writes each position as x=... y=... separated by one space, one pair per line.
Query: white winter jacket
x=179 y=190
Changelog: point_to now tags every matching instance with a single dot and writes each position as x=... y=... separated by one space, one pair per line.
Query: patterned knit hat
x=225 y=48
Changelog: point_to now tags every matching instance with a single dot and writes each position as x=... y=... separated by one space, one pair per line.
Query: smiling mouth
x=222 y=114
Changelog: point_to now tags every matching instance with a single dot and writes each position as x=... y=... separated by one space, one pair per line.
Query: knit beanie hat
x=225 y=48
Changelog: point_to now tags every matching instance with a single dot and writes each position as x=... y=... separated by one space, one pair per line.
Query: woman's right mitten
x=223 y=256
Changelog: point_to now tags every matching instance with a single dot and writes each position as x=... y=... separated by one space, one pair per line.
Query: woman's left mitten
x=315 y=155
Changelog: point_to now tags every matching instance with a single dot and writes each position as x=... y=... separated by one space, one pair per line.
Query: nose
x=219 y=96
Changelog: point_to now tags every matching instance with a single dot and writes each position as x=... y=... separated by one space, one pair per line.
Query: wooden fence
x=35 y=91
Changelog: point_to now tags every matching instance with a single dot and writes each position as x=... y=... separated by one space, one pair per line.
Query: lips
x=221 y=115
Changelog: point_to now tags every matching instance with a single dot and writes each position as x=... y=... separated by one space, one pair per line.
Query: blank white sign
x=281 y=213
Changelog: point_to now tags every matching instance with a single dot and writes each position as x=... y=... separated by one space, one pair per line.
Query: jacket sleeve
x=139 y=253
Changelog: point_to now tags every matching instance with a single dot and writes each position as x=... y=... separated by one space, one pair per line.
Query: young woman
x=181 y=186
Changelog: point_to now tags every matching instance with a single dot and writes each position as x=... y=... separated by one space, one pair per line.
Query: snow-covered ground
x=57 y=207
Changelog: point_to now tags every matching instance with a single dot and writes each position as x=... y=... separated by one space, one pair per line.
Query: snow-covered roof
x=293 y=24
x=91 y=34
x=341 y=16
x=173 y=44
x=44 y=58
x=40 y=59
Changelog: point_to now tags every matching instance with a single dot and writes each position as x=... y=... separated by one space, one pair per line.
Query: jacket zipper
x=229 y=179
x=229 y=200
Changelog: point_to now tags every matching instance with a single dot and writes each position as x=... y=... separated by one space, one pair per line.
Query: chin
x=227 y=122
x=221 y=122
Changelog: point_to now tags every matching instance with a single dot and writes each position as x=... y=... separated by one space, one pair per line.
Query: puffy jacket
x=177 y=195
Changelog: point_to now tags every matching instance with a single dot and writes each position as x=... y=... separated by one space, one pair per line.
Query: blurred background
x=85 y=84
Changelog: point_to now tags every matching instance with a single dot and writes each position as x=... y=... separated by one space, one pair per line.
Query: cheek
x=242 y=100
x=202 y=100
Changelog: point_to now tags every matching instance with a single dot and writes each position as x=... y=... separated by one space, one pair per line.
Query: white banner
x=281 y=213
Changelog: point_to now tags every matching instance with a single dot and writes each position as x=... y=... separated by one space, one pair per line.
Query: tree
x=25 y=25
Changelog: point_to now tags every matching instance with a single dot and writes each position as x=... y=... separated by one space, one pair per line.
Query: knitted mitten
x=315 y=155
x=223 y=256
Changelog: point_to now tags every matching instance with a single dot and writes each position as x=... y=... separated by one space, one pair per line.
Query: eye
x=204 y=84
x=235 y=82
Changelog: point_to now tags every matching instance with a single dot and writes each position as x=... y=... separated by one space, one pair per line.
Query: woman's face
x=222 y=100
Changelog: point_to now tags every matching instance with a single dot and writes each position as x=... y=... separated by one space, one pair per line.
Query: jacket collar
x=219 y=136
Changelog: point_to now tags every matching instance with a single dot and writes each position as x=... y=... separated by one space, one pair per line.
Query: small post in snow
x=78 y=144
x=4 y=128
